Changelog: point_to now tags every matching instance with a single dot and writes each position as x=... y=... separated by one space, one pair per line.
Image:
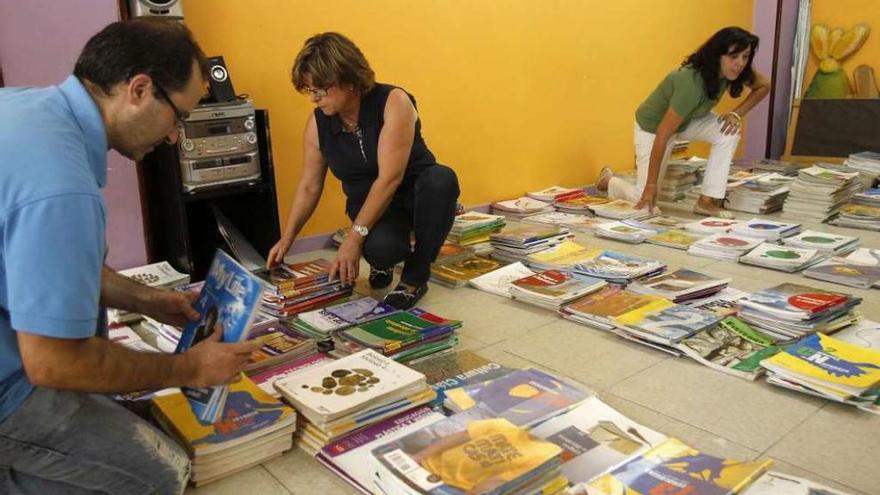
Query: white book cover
x=731 y=242
x=524 y=204
x=340 y=387
x=821 y=241
x=773 y=483
x=160 y=274
x=765 y=229
x=865 y=256
x=865 y=333
x=551 y=192
x=711 y=225
x=594 y=438
x=774 y=255
x=498 y=282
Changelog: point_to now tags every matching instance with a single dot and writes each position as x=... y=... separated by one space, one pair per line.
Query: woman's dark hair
x=332 y=59
x=707 y=60
x=164 y=50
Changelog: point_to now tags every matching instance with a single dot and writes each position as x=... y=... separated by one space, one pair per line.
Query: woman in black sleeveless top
x=369 y=135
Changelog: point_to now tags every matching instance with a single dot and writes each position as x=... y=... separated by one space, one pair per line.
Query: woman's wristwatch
x=361 y=230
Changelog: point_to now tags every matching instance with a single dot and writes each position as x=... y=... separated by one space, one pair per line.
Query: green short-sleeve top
x=682 y=89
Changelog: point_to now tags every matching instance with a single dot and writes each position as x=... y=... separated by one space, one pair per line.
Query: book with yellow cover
x=674 y=467
x=828 y=362
x=249 y=413
x=646 y=306
x=564 y=255
x=678 y=239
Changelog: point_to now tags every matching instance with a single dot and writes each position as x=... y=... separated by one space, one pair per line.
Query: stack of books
x=819 y=193
x=782 y=258
x=562 y=256
x=711 y=225
x=722 y=304
x=680 y=285
x=619 y=209
x=280 y=345
x=766 y=229
x=521 y=207
x=555 y=193
x=859 y=216
x=618 y=267
x=824 y=243
x=765 y=165
x=868 y=197
x=664 y=326
x=772 y=483
x=762 y=195
x=459 y=273
x=321 y=323
x=599 y=310
x=622 y=232
x=516 y=242
x=830 y=368
x=728 y=247
x=453 y=252
x=790 y=311
x=675 y=238
x=498 y=282
x=297 y=287
x=730 y=346
x=571 y=221
x=552 y=288
x=674 y=465
x=266 y=378
x=681 y=175
x=125 y=336
x=659 y=223
x=860 y=269
x=402 y=336
x=341 y=396
x=474 y=227
x=867 y=161
x=253 y=428
x=159 y=275
x=579 y=205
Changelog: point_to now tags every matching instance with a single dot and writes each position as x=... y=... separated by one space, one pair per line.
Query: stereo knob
x=251 y=138
x=249 y=124
x=187 y=145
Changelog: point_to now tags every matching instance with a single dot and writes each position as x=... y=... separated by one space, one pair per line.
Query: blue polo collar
x=85 y=111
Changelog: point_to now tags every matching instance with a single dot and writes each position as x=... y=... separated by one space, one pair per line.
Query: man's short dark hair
x=163 y=49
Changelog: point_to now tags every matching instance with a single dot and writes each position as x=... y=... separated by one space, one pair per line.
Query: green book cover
x=391 y=332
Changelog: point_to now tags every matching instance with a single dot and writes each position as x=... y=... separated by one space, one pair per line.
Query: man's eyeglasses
x=180 y=116
x=315 y=92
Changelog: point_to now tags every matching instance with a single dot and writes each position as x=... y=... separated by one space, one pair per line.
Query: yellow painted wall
x=845 y=14
x=516 y=95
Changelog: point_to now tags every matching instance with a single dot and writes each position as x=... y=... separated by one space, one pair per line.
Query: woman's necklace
x=355 y=128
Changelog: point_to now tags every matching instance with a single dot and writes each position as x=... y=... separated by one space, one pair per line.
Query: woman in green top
x=681 y=108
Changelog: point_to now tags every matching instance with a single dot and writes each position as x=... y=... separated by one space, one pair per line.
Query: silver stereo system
x=156 y=8
x=218 y=145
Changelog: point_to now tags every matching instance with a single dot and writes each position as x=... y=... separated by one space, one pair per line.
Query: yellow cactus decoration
x=831 y=47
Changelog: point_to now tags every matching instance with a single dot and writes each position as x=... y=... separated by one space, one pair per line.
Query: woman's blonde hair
x=332 y=59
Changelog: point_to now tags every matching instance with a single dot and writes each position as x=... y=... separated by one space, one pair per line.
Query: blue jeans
x=68 y=442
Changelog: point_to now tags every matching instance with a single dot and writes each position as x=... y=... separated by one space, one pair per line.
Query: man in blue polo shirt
x=58 y=434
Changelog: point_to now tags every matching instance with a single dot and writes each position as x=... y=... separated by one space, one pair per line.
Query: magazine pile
x=552 y=288
x=297 y=287
x=515 y=242
x=473 y=227
x=159 y=275
x=819 y=193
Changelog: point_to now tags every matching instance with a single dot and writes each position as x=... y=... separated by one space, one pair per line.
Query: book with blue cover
x=671 y=324
x=615 y=266
x=230 y=299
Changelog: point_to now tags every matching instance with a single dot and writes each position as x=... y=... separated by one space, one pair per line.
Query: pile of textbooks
x=571 y=221
x=825 y=243
x=868 y=197
x=622 y=232
x=340 y=396
x=619 y=209
x=619 y=267
x=783 y=258
x=830 y=368
x=763 y=194
x=680 y=285
x=458 y=273
x=681 y=175
x=521 y=207
x=728 y=247
x=297 y=287
x=474 y=227
x=790 y=311
x=711 y=225
x=664 y=325
x=675 y=238
x=579 y=205
x=555 y=193
x=321 y=323
x=402 y=335
x=859 y=216
x=252 y=428
x=159 y=275
x=766 y=229
x=280 y=345
x=552 y=288
x=599 y=310
x=498 y=281
x=819 y=193
x=730 y=346
x=562 y=256
x=517 y=241
x=860 y=269
x=765 y=165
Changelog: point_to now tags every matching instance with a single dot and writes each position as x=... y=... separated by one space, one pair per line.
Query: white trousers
x=706 y=129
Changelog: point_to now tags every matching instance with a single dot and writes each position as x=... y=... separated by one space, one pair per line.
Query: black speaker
x=221 y=84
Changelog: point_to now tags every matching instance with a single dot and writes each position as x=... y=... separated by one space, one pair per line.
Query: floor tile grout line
x=272 y=475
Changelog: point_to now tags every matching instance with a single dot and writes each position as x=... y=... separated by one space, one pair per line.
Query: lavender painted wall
x=764 y=26
x=39 y=43
x=785 y=44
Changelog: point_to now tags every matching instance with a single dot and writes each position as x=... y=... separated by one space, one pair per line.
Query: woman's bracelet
x=738 y=116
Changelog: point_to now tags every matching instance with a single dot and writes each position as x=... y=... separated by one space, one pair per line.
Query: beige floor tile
x=593 y=357
x=838 y=442
x=254 y=480
x=490 y=318
x=301 y=474
x=753 y=414
x=788 y=468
